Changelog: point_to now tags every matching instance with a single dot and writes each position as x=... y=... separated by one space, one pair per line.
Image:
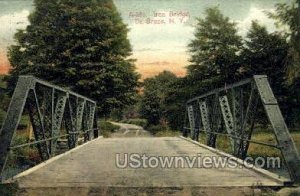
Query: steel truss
x=54 y=113
x=234 y=108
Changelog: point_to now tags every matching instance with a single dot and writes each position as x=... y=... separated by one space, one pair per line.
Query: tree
x=176 y=96
x=289 y=15
x=215 y=47
x=82 y=45
x=153 y=106
x=264 y=53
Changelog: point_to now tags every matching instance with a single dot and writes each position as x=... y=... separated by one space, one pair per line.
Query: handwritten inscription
x=160 y=17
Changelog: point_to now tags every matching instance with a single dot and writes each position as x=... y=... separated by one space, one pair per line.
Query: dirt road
x=129 y=130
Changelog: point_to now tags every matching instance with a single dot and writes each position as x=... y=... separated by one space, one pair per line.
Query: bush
x=23 y=122
x=156 y=128
x=136 y=121
x=106 y=128
x=8 y=189
x=24 y=156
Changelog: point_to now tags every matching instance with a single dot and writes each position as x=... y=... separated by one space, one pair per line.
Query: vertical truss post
x=199 y=127
x=228 y=119
x=45 y=106
x=237 y=115
x=185 y=131
x=248 y=122
x=198 y=123
x=58 y=114
x=90 y=121
x=284 y=139
x=205 y=119
x=85 y=122
x=192 y=123
x=79 y=114
x=54 y=141
x=215 y=121
x=95 y=125
x=70 y=124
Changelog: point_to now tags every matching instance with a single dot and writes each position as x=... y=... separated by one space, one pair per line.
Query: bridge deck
x=94 y=165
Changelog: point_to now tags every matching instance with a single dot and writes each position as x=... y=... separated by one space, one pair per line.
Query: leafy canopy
x=82 y=45
x=215 y=46
x=289 y=15
x=153 y=106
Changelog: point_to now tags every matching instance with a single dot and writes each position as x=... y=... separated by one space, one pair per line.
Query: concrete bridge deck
x=91 y=170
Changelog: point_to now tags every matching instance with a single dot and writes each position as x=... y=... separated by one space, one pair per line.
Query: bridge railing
x=59 y=119
x=232 y=112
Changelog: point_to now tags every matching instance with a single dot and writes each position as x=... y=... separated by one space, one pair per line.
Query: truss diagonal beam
x=36 y=119
x=13 y=117
x=284 y=139
x=205 y=119
x=191 y=117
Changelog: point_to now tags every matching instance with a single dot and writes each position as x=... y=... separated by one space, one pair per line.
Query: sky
x=159 y=30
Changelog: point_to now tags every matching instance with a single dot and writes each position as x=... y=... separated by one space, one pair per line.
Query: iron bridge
x=54 y=113
x=231 y=111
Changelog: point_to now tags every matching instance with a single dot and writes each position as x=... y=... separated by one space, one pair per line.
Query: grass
x=107 y=128
x=136 y=121
x=23 y=122
x=255 y=150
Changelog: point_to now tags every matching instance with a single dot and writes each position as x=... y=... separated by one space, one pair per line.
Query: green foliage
x=23 y=122
x=4 y=98
x=215 y=46
x=22 y=157
x=256 y=150
x=292 y=106
x=2 y=116
x=264 y=53
x=8 y=189
x=153 y=107
x=116 y=114
x=289 y=15
x=154 y=129
x=106 y=128
x=177 y=94
x=3 y=84
x=136 y=121
x=132 y=111
x=79 y=44
x=218 y=57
